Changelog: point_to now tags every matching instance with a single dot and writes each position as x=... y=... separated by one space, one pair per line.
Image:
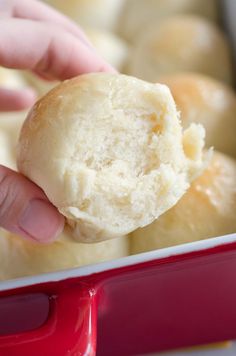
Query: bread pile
x=125 y=158
x=180 y=43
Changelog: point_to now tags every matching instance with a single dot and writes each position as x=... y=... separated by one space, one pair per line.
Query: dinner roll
x=206 y=210
x=108 y=150
x=113 y=49
x=138 y=14
x=94 y=13
x=209 y=102
x=11 y=79
x=20 y=258
x=181 y=43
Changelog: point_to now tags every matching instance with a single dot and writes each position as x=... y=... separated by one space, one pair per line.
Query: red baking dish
x=164 y=299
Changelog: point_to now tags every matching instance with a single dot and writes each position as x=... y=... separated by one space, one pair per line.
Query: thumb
x=25 y=210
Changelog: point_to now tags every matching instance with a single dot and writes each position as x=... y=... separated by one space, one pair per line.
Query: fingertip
x=25 y=209
x=41 y=221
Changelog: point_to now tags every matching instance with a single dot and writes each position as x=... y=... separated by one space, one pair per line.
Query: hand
x=35 y=37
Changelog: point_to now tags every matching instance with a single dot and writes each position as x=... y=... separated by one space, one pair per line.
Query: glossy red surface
x=69 y=330
x=15 y=308
x=170 y=305
x=172 y=302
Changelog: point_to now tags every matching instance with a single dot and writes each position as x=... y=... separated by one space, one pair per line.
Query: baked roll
x=137 y=15
x=101 y=14
x=181 y=44
x=206 y=210
x=20 y=258
x=109 y=152
x=207 y=101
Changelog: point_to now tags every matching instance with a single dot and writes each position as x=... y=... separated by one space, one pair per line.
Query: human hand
x=35 y=37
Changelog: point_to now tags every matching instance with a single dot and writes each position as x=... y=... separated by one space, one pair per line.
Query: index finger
x=35 y=10
x=46 y=49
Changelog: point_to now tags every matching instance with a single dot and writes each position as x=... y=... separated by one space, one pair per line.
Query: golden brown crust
x=206 y=210
x=182 y=43
x=207 y=101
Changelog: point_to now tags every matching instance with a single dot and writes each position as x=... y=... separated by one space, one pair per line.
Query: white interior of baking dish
x=229 y=7
x=122 y=262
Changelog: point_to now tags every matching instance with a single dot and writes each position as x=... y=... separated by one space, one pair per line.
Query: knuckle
x=50 y=55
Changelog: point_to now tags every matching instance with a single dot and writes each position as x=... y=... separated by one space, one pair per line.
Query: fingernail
x=41 y=221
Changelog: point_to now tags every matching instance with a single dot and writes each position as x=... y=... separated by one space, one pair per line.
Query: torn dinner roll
x=109 y=152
